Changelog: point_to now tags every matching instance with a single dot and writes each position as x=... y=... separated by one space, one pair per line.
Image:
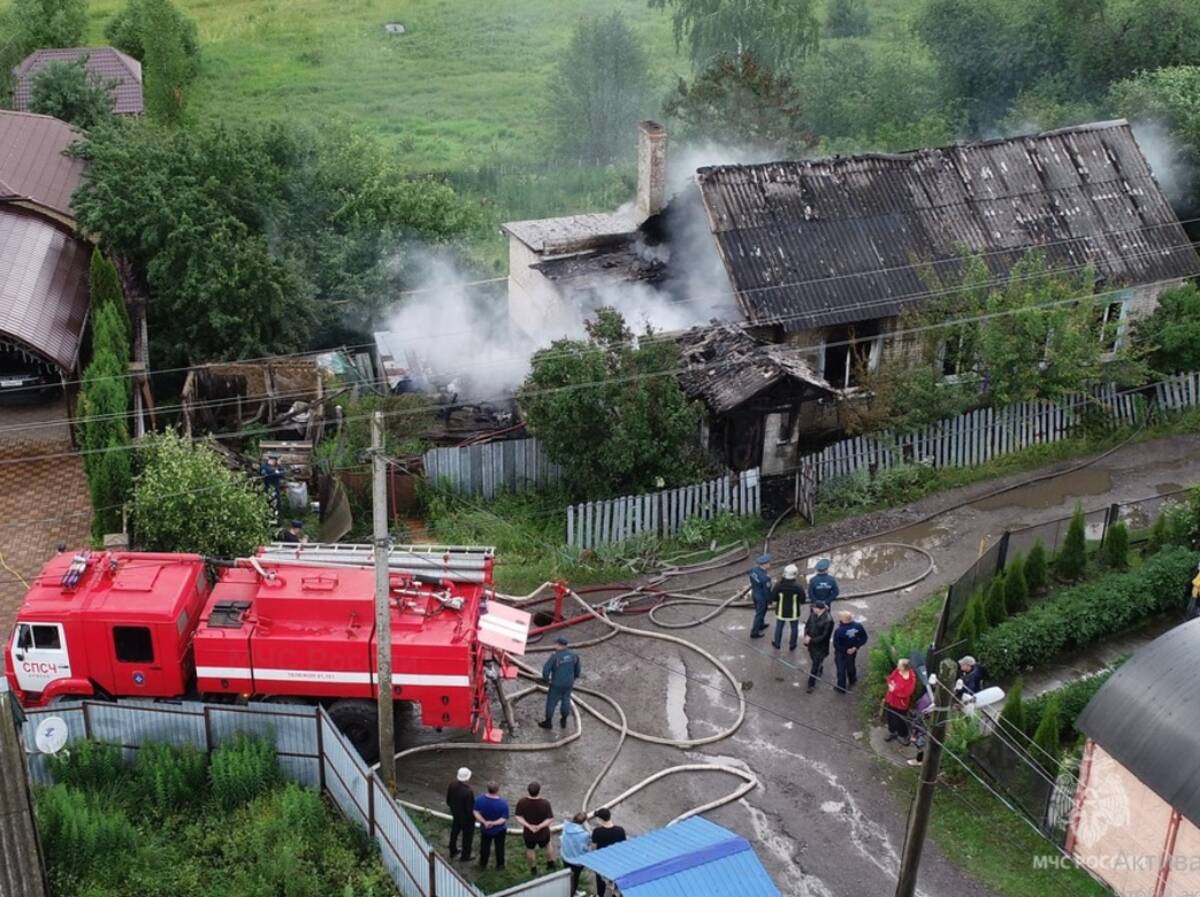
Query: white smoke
x=462 y=336
x=1167 y=161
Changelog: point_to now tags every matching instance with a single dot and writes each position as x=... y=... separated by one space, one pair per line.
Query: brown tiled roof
x=32 y=164
x=105 y=64
x=830 y=241
x=43 y=286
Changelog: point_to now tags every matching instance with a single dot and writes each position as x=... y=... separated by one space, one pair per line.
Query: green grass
x=516 y=870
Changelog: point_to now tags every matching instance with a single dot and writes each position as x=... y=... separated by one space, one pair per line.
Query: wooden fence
x=979 y=436
x=514 y=465
x=1178 y=392
x=661 y=513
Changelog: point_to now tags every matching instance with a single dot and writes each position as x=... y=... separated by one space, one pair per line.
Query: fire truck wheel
x=359 y=722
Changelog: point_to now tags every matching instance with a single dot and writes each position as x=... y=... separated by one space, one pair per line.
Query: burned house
x=828 y=253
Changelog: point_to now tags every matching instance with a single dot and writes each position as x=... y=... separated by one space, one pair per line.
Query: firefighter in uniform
x=760 y=592
x=560 y=671
x=789 y=596
x=823 y=587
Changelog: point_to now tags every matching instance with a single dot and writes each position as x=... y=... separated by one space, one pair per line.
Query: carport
x=691 y=857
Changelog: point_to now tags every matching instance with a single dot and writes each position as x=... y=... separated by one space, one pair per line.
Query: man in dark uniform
x=818 y=629
x=461 y=801
x=271 y=473
x=560 y=671
x=823 y=587
x=847 y=639
x=294 y=534
x=760 y=593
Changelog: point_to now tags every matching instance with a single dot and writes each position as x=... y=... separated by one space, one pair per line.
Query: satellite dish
x=51 y=735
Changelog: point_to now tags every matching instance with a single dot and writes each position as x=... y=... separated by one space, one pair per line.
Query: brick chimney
x=652 y=169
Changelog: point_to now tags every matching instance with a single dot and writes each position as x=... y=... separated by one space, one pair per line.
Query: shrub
x=1016 y=589
x=88 y=765
x=1083 y=614
x=1046 y=736
x=1114 y=553
x=77 y=831
x=242 y=769
x=126 y=30
x=994 y=603
x=1158 y=534
x=169 y=777
x=1036 y=568
x=1072 y=559
x=847 y=18
x=1072 y=699
x=969 y=628
x=960 y=732
x=1014 y=707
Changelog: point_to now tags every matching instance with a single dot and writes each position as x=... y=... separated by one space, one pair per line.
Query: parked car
x=25 y=381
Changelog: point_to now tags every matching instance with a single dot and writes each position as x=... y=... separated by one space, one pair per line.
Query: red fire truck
x=295 y=624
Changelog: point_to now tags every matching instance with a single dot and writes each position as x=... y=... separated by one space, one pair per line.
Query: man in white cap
x=461 y=801
x=789 y=596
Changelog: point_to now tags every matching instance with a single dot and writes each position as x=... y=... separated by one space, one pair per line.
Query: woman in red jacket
x=900 y=687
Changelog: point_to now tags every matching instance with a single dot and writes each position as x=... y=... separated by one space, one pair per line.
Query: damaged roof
x=726 y=367
x=572 y=233
x=832 y=241
x=104 y=65
x=628 y=261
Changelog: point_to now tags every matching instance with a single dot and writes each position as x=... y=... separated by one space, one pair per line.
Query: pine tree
x=1016 y=587
x=104 y=288
x=1014 y=707
x=994 y=604
x=1158 y=534
x=969 y=628
x=1072 y=559
x=1036 y=572
x=1048 y=735
x=1114 y=553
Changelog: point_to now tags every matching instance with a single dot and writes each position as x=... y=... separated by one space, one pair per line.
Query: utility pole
x=914 y=840
x=383 y=614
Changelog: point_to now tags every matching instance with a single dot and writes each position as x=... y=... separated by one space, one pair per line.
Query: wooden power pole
x=914 y=840
x=383 y=613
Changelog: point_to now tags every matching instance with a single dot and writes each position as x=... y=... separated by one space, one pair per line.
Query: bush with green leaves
x=847 y=18
x=1016 y=588
x=67 y=91
x=895 y=485
x=1114 y=552
x=241 y=769
x=170 y=778
x=1172 y=526
x=1037 y=572
x=1081 y=615
x=1071 y=561
x=994 y=602
x=80 y=830
x=974 y=622
x=1047 y=735
x=1014 y=714
x=186 y=499
x=88 y=764
x=1072 y=698
x=127 y=30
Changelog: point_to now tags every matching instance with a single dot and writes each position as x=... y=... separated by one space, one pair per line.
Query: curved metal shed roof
x=43 y=287
x=1147 y=717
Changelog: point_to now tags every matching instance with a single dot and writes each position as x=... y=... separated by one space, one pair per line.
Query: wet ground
x=823 y=820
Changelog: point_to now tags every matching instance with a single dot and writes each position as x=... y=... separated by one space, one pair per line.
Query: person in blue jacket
x=560 y=671
x=760 y=594
x=822 y=587
x=848 y=638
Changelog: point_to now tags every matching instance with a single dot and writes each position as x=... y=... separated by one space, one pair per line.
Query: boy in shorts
x=536 y=817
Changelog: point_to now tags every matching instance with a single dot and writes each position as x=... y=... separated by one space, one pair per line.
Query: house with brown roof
x=105 y=65
x=43 y=263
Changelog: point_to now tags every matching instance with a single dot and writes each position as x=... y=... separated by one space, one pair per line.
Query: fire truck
x=293 y=624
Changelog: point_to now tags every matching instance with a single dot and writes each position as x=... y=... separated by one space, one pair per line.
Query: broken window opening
x=1110 y=325
x=850 y=353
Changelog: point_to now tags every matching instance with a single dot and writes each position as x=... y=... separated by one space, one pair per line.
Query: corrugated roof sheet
x=691 y=857
x=105 y=64
x=831 y=241
x=32 y=164
x=43 y=287
x=1147 y=716
x=725 y=366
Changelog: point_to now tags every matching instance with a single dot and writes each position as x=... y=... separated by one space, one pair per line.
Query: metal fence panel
x=131 y=724
x=345 y=775
x=292 y=728
x=401 y=847
x=448 y=883
x=557 y=884
x=512 y=465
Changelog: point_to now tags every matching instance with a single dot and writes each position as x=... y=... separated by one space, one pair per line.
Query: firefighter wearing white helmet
x=789 y=596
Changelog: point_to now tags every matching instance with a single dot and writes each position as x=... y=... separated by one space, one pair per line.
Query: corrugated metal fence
x=662 y=513
x=977 y=436
x=515 y=465
x=311 y=751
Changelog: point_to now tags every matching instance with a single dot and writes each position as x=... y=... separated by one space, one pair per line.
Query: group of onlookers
x=490 y=813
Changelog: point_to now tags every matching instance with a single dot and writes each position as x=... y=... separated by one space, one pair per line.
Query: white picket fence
x=662 y=513
x=979 y=436
x=1178 y=392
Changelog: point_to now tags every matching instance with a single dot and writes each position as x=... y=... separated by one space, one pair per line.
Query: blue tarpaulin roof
x=689 y=858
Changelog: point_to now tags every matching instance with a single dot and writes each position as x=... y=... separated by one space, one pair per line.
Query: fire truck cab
x=107 y=624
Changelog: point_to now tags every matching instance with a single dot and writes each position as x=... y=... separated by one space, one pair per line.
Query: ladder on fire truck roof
x=463 y=563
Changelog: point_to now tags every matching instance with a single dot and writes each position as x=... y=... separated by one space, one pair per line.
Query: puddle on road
x=1051 y=493
x=869 y=560
x=1167 y=488
x=677 y=718
x=926 y=535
